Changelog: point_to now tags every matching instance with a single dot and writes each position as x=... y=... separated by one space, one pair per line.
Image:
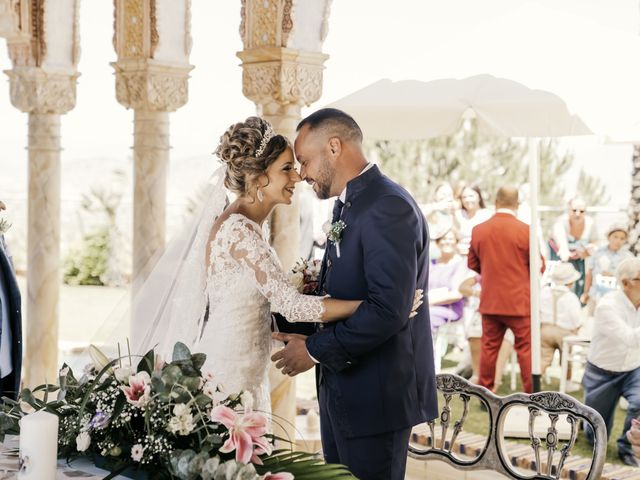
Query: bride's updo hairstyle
x=248 y=148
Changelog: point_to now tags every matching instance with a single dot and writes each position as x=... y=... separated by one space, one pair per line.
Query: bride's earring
x=260 y=195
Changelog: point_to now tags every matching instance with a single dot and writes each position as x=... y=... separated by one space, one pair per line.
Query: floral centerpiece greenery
x=162 y=420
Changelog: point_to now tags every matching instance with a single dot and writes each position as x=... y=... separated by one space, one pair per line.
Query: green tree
x=475 y=158
x=94 y=261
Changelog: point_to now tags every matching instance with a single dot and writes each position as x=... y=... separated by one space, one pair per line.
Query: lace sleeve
x=252 y=252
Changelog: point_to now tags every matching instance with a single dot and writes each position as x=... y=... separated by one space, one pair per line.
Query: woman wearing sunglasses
x=574 y=238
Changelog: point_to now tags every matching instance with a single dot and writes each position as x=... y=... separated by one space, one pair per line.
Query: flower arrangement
x=334 y=230
x=4 y=226
x=162 y=421
x=305 y=275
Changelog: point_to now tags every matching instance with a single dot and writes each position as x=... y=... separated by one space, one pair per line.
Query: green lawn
x=477 y=421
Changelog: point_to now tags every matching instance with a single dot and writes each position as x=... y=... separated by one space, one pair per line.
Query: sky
x=585 y=51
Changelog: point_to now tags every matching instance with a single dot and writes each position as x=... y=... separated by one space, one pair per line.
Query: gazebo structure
x=282 y=66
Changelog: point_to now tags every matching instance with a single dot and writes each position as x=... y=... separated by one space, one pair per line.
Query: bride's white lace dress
x=244 y=284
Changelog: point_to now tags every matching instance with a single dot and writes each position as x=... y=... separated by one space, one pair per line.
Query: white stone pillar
x=42 y=84
x=151 y=161
x=282 y=67
x=153 y=42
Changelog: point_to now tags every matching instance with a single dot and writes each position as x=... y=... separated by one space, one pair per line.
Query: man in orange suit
x=499 y=252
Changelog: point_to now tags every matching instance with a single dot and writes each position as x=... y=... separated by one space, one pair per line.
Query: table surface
x=81 y=469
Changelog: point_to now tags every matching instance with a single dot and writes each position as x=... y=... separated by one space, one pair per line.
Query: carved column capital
x=34 y=90
x=146 y=85
x=283 y=75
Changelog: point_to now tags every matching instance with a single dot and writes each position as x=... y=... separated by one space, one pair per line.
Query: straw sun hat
x=564 y=273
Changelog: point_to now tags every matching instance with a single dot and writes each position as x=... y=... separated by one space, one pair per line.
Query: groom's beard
x=324 y=180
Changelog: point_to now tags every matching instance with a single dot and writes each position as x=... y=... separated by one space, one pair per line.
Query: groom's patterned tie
x=337 y=210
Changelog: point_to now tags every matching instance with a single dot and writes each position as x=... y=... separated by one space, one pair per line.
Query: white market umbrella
x=412 y=109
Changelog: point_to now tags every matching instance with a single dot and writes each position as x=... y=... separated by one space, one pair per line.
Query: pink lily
x=245 y=432
x=278 y=476
x=138 y=392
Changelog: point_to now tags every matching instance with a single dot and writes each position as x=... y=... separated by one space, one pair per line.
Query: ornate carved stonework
x=147 y=86
x=34 y=91
x=38 y=43
x=132 y=33
x=28 y=44
x=287 y=22
x=9 y=18
x=281 y=75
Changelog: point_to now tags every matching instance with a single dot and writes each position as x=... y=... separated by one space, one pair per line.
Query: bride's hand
x=417 y=301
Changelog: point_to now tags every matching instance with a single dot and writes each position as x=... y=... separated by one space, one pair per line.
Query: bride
x=226 y=279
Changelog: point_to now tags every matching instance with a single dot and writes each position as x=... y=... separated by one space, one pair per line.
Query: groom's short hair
x=333 y=122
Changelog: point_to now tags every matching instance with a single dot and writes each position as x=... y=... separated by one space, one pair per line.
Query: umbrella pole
x=534 y=262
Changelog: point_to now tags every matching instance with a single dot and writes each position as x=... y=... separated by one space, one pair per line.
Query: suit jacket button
x=348 y=204
x=329 y=263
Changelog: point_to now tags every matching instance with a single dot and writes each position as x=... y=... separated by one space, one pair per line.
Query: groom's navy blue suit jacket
x=378 y=363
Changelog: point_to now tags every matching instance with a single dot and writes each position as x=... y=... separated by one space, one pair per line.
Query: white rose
x=186 y=425
x=64 y=372
x=297 y=280
x=174 y=425
x=181 y=409
x=83 y=441
x=326 y=227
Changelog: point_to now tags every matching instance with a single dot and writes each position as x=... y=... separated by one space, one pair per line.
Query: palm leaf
x=302 y=465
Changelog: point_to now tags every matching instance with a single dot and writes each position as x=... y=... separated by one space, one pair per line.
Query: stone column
x=152 y=73
x=282 y=67
x=43 y=84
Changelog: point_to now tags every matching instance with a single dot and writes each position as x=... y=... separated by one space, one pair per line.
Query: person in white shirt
x=559 y=311
x=613 y=366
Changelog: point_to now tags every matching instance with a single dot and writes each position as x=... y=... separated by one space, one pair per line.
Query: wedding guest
x=600 y=275
x=573 y=239
x=472 y=212
x=446 y=303
x=499 y=252
x=559 y=312
x=440 y=214
x=10 y=324
x=470 y=289
x=613 y=362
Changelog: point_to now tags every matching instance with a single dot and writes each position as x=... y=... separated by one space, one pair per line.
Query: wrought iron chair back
x=446 y=431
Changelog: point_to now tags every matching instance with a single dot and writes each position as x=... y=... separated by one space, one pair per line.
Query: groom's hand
x=294 y=357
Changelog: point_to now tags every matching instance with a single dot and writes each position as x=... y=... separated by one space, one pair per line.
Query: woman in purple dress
x=445 y=300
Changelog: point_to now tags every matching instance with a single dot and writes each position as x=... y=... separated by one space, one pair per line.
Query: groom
x=375 y=369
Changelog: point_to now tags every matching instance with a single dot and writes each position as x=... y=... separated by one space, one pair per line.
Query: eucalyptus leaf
x=181 y=352
x=198 y=360
x=191 y=383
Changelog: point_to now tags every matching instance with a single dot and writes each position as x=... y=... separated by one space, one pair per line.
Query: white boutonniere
x=4 y=226
x=334 y=233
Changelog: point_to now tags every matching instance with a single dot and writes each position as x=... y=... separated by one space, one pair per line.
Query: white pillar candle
x=38 y=446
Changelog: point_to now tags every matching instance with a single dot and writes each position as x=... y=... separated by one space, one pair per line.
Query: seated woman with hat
x=559 y=311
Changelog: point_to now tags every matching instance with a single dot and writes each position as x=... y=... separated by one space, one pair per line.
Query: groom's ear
x=335 y=145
